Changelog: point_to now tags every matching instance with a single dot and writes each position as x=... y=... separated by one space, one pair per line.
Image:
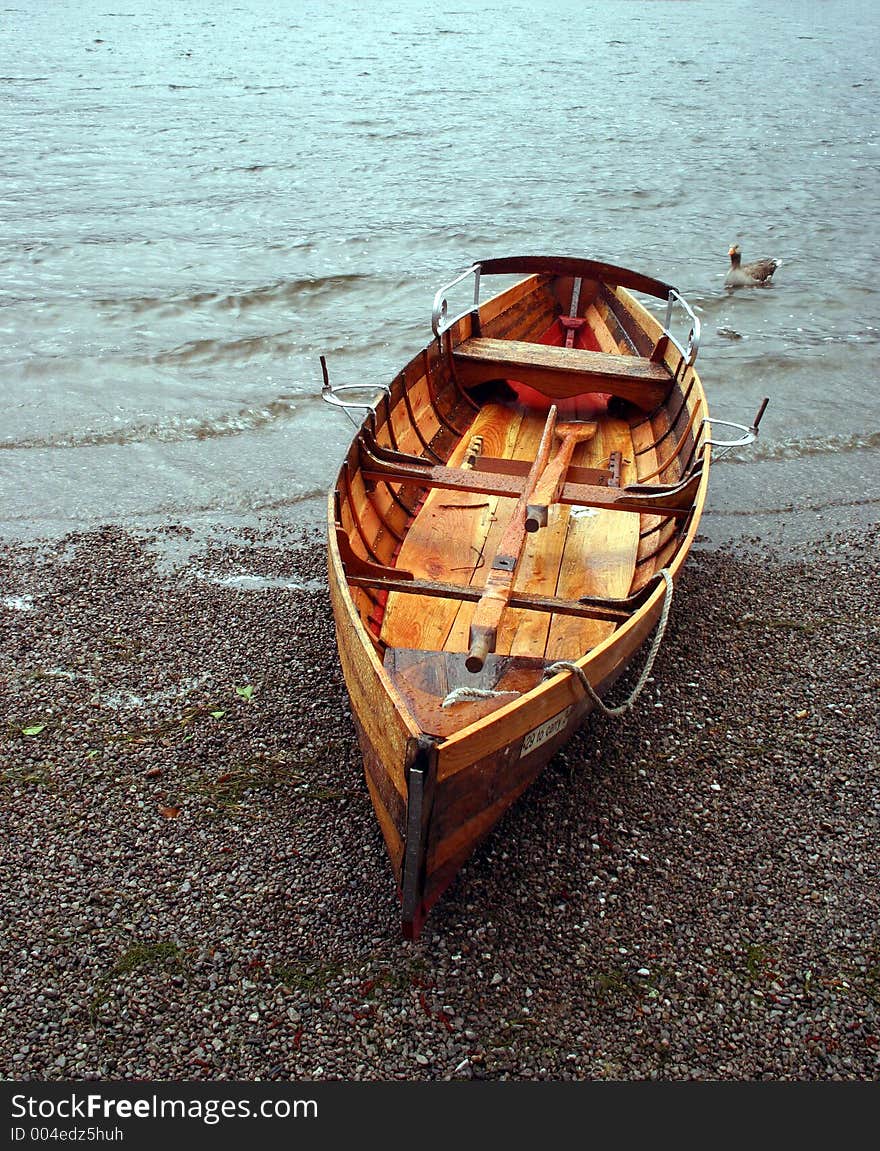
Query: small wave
x=781 y=450
x=265 y=293
x=816 y=337
x=225 y=351
x=288 y=501
x=173 y=431
x=247 y=502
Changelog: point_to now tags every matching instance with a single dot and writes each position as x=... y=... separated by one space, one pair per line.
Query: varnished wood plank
x=389 y=806
x=382 y=714
x=645 y=461
x=507 y=434
x=525 y=632
x=560 y=372
x=507 y=302
x=639 y=331
x=444 y=542
x=602 y=332
x=586 y=269
x=499 y=581
x=528 y=320
x=599 y=557
x=536 y=564
x=427 y=678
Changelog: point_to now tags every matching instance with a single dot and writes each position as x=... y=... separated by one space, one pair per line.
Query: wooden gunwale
x=574 y=267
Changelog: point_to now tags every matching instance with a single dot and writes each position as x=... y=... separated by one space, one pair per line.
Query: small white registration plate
x=545 y=732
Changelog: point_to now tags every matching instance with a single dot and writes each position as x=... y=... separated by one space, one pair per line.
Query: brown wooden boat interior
x=428 y=490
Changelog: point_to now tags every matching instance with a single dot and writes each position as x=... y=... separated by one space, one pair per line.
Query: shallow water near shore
x=198 y=203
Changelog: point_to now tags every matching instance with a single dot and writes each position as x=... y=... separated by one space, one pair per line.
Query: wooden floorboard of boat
x=526 y=632
x=520 y=443
x=600 y=553
x=445 y=542
x=456 y=534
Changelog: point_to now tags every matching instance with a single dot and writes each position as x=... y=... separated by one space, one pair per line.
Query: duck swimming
x=753 y=275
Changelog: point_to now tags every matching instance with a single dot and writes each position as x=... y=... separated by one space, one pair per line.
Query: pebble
x=258 y=931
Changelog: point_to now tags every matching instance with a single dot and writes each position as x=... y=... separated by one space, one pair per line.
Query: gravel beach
x=194 y=886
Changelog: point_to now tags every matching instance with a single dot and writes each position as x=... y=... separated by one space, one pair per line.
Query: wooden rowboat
x=504 y=533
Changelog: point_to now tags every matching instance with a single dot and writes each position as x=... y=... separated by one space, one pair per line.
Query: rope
x=464 y=694
x=621 y=709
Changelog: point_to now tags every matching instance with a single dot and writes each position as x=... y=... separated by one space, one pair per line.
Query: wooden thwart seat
x=558 y=371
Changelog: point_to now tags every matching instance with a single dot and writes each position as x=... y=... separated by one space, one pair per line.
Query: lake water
x=198 y=200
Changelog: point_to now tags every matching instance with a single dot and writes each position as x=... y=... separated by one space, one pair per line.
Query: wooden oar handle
x=493 y=601
x=545 y=491
x=548 y=486
x=482 y=641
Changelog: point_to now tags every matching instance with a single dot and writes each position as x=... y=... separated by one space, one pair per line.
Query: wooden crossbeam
x=661 y=499
x=561 y=371
x=469 y=593
x=599 y=476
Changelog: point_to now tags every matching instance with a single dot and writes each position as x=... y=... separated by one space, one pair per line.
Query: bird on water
x=755 y=274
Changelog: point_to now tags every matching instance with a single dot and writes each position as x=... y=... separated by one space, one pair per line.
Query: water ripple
x=174 y=430
x=798 y=449
x=279 y=292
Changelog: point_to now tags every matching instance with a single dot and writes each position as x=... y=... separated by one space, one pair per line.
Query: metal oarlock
x=689 y=352
x=330 y=395
x=750 y=434
x=440 y=321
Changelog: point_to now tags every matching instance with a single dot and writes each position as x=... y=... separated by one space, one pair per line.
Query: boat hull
x=443 y=764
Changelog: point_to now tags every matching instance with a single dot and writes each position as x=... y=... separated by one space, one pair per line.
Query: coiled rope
x=466 y=694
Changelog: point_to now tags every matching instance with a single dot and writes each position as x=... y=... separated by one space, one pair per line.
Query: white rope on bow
x=469 y=694
x=629 y=702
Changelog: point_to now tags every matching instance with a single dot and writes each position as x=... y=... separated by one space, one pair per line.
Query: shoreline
x=195 y=886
